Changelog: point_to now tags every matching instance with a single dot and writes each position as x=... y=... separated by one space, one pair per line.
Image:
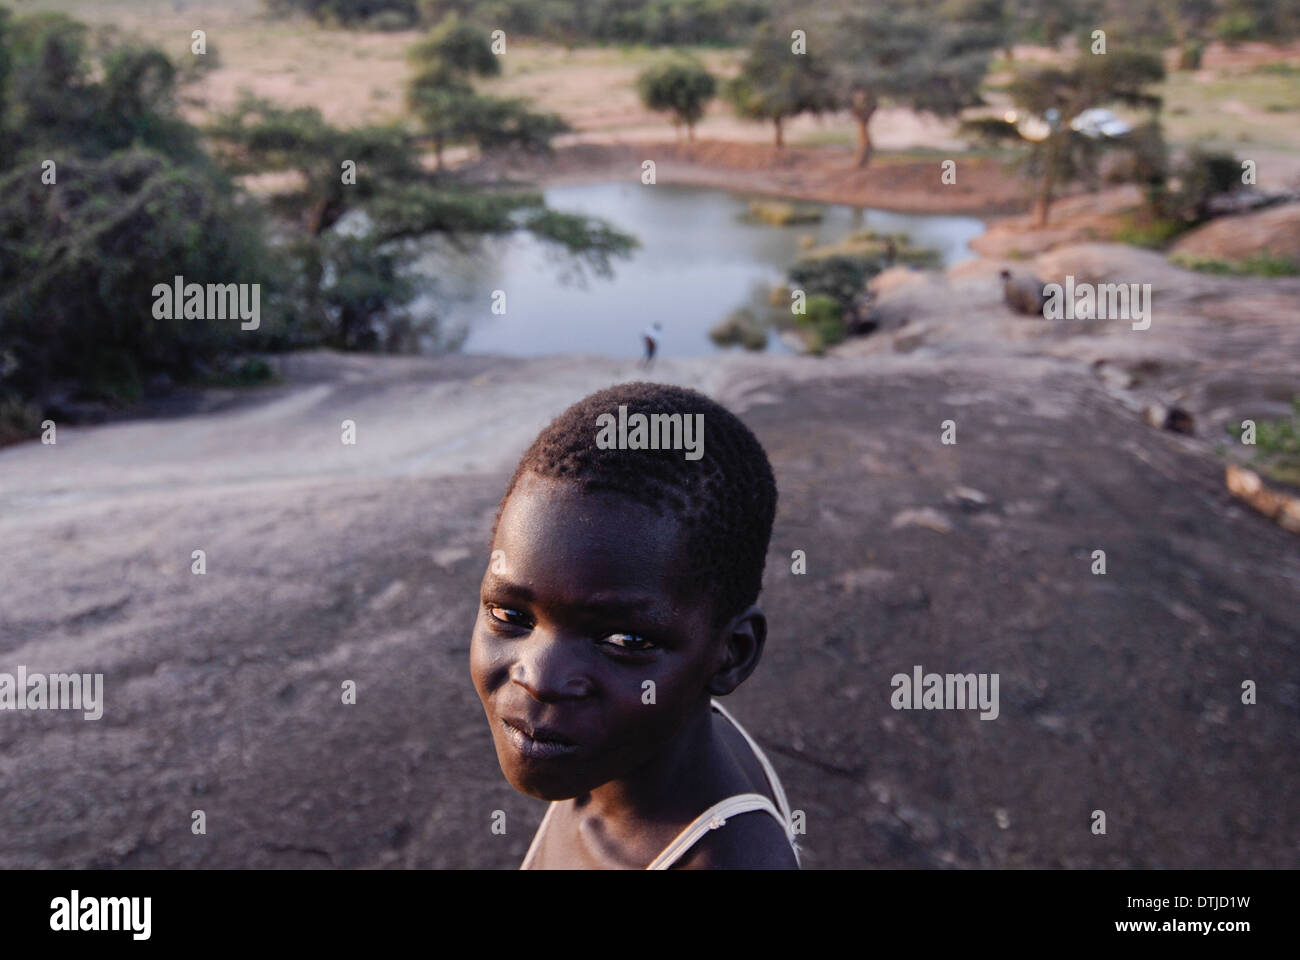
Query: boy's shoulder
x=748 y=841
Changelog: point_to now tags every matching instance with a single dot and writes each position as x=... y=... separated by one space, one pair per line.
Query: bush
x=78 y=267
x=1277 y=445
x=682 y=88
x=350 y=12
x=1155 y=233
x=1258 y=265
x=1189 y=58
x=19 y=420
x=838 y=276
x=1204 y=175
x=740 y=327
x=777 y=213
x=1235 y=27
x=822 y=324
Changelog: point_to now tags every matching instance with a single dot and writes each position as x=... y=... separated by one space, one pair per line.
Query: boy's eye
x=506 y=615
x=628 y=641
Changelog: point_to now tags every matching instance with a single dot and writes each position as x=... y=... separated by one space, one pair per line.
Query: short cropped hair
x=725 y=501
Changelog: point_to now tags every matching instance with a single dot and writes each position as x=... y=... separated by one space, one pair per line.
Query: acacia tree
x=683 y=88
x=776 y=83
x=930 y=55
x=1051 y=98
x=1061 y=94
x=351 y=288
x=449 y=109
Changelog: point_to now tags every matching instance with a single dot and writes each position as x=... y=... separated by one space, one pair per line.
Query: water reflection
x=698 y=261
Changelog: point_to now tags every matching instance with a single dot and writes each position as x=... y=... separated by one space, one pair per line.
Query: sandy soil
x=328 y=563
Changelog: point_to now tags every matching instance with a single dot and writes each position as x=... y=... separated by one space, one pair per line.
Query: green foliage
x=1277 y=445
x=741 y=327
x=1189 y=57
x=351 y=12
x=658 y=22
x=668 y=22
x=777 y=213
x=1204 y=175
x=55 y=93
x=930 y=55
x=775 y=84
x=78 y=266
x=1236 y=26
x=681 y=87
x=1257 y=265
x=1063 y=92
x=19 y=420
x=839 y=276
x=138 y=201
x=450 y=111
x=823 y=323
x=1154 y=233
x=257 y=136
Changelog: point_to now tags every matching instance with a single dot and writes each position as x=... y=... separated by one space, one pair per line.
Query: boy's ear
x=740 y=648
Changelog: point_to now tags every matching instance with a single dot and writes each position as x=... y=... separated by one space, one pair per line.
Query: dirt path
x=328 y=563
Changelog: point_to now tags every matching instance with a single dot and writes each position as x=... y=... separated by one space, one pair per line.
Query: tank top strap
x=714 y=817
x=769 y=771
x=711 y=819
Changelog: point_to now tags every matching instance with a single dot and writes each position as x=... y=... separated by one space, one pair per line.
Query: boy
x=618 y=603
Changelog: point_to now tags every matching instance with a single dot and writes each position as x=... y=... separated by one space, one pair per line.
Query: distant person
x=651 y=338
x=618 y=608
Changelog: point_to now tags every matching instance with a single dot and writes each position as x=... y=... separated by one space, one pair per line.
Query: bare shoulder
x=749 y=841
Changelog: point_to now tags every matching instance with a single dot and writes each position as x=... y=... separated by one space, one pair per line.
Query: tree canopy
x=681 y=87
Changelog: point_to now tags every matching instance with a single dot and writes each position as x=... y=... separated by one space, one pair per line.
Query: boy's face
x=585 y=600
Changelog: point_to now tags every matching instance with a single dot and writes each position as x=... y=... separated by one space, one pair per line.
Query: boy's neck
x=676 y=780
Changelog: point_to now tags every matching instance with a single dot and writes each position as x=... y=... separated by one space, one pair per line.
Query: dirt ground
x=328 y=563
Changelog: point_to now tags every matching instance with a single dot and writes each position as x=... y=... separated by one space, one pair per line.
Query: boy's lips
x=537 y=742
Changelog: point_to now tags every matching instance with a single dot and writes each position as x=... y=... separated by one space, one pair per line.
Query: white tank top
x=714 y=817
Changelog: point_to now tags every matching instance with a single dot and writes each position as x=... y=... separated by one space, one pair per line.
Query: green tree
x=400 y=200
x=131 y=202
x=775 y=83
x=1060 y=94
x=683 y=88
x=929 y=55
x=443 y=99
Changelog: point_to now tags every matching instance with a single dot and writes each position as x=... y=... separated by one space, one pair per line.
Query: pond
x=699 y=260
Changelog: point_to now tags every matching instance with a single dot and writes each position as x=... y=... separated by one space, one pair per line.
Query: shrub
x=78 y=267
x=1235 y=27
x=740 y=327
x=1204 y=175
x=1154 y=233
x=1189 y=57
x=838 y=276
x=19 y=420
x=823 y=323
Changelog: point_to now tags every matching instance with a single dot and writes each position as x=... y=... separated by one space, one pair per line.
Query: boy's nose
x=549 y=669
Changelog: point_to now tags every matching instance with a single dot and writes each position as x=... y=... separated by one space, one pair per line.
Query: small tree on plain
x=682 y=88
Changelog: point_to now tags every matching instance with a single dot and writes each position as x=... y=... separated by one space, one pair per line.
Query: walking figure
x=651 y=338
